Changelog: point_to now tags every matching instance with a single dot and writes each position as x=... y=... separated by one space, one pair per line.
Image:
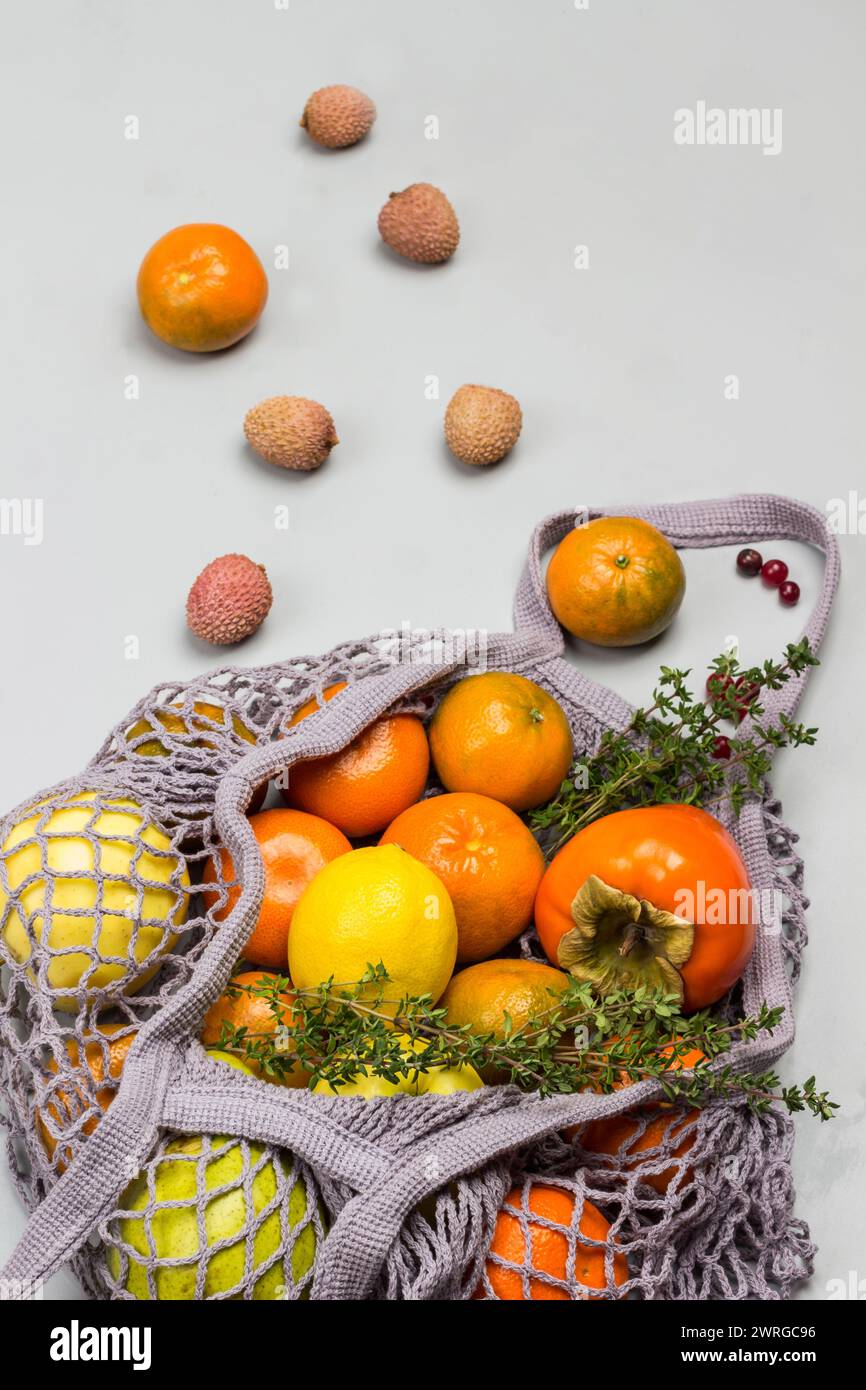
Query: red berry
x=717 y=684
x=746 y=692
x=789 y=592
x=749 y=562
x=774 y=573
x=721 y=747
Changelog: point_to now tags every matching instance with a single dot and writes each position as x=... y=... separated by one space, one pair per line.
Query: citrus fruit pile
x=406 y=858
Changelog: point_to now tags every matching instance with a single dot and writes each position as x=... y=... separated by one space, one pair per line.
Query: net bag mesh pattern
x=111 y=956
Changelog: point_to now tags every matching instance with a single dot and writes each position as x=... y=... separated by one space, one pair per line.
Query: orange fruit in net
x=488 y=860
x=630 y=1136
x=616 y=581
x=312 y=705
x=501 y=735
x=370 y=781
x=240 y=1008
x=627 y=1135
x=481 y=995
x=539 y=1249
x=201 y=287
x=104 y=1056
x=294 y=847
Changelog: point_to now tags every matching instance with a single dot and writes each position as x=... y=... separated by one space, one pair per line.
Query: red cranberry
x=746 y=692
x=721 y=747
x=718 y=685
x=749 y=562
x=774 y=573
x=789 y=592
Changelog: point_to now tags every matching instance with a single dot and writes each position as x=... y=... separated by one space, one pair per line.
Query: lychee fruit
x=291 y=432
x=338 y=116
x=482 y=424
x=230 y=599
x=420 y=224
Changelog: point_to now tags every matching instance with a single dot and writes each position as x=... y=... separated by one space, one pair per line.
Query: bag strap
x=697 y=525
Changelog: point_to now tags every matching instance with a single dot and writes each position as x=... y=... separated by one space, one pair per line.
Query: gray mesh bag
x=276 y=1192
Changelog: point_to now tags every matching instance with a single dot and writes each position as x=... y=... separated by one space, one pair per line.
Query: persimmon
x=656 y=896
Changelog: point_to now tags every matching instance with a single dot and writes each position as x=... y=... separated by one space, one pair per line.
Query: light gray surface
x=556 y=129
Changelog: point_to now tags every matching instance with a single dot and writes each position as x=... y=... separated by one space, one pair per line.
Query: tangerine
x=201 y=287
x=294 y=847
x=488 y=860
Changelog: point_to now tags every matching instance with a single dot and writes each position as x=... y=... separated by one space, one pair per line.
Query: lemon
x=174 y=1230
x=444 y=1081
x=218 y=1055
x=369 y=906
x=437 y=1081
x=365 y=1084
x=108 y=881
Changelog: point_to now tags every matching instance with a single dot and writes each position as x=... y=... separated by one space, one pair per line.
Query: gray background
x=555 y=130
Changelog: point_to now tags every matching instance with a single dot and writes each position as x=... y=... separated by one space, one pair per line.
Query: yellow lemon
x=444 y=1081
x=437 y=1081
x=123 y=922
x=365 y=1084
x=372 y=905
x=217 y=1054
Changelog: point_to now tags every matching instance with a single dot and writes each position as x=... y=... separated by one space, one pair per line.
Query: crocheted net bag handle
x=744 y=520
x=380 y=1151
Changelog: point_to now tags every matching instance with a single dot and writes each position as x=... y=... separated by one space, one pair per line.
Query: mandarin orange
x=294 y=847
x=481 y=995
x=99 y=1087
x=625 y=1135
x=501 y=735
x=616 y=581
x=548 y=1248
x=241 y=1007
x=370 y=781
x=488 y=860
x=201 y=287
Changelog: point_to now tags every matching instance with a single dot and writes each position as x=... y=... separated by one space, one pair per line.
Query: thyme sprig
x=669 y=751
x=335 y=1032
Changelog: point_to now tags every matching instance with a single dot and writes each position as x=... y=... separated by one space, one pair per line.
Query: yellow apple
x=123 y=922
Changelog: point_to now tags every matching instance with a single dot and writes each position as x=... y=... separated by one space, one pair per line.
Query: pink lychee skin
x=230 y=599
